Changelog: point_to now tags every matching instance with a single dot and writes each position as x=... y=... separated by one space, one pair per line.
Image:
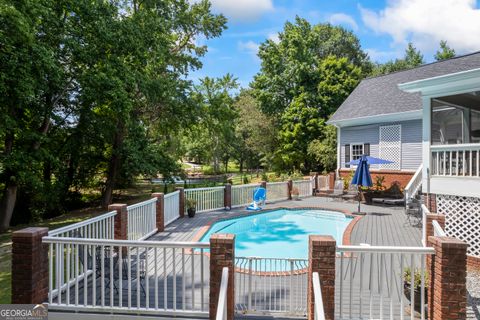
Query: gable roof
x=381 y=96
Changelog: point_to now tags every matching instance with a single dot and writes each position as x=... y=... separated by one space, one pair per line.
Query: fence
x=455 y=160
x=171 y=207
x=277 y=191
x=243 y=194
x=127 y=276
x=323 y=183
x=372 y=281
x=305 y=187
x=101 y=227
x=272 y=285
x=206 y=198
x=142 y=220
x=317 y=293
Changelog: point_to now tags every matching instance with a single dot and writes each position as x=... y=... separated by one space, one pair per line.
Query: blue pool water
x=280 y=233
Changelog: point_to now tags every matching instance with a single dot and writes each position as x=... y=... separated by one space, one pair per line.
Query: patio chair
x=352 y=193
x=337 y=190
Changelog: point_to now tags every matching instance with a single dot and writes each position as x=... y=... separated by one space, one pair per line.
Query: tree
x=445 y=51
x=412 y=58
x=324 y=151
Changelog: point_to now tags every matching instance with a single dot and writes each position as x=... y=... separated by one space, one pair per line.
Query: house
x=381 y=120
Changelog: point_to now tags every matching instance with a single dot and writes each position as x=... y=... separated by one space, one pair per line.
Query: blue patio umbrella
x=362 y=175
x=370 y=160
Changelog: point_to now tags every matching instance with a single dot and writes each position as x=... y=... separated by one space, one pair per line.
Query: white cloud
x=343 y=19
x=383 y=56
x=274 y=37
x=426 y=22
x=242 y=10
x=249 y=46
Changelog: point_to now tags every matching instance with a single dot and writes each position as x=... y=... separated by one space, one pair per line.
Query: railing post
x=29 y=266
x=227 y=196
x=263 y=184
x=447 y=290
x=321 y=259
x=315 y=186
x=222 y=254
x=181 y=197
x=121 y=220
x=331 y=180
x=160 y=210
x=290 y=187
x=430 y=201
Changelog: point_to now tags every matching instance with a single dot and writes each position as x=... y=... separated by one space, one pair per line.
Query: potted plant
x=191 y=207
x=417 y=282
x=295 y=193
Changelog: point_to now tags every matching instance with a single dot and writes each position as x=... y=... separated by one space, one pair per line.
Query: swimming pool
x=280 y=233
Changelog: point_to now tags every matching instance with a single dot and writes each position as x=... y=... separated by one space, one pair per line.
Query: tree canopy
x=445 y=52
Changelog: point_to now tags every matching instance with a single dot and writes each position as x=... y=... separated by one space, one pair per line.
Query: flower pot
x=191 y=212
x=417 y=295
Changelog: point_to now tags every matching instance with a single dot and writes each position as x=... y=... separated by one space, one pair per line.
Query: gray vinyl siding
x=411 y=141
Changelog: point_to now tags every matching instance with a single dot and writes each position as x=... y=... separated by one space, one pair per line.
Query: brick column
x=430 y=201
x=121 y=220
x=263 y=184
x=181 y=212
x=321 y=259
x=227 y=196
x=29 y=266
x=290 y=187
x=222 y=254
x=447 y=291
x=331 y=180
x=315 y=186
x=160 y=208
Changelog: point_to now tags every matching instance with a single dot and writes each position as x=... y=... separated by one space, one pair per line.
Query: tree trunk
x=113 y=165
x=7 y=204
x=241 y=165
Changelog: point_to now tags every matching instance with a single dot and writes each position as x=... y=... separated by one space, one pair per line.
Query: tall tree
x=445 y=51
x=412 y=58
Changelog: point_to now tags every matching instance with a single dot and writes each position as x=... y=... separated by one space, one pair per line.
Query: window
x=357 y=151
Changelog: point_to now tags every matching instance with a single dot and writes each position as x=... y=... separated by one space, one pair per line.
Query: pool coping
x=346 y=239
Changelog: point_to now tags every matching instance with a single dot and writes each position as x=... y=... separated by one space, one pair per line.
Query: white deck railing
x=222 y=298
x=455 y=160
x=425 y=212
x=413 y=185
x=206 y=198
x=127 y=276
x=317 y=293
x=277 y=191
x=305 y=187
x=372 y=281
x=100 y=227
x=243 y=194
x=171 y=207
x=272 y=285
x=142 y=219
x=437 y=229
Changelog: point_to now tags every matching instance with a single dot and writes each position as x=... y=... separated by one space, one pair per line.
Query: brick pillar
x=222 y=254
x=290 y=187
x=430 y=217
x=263 y=184
x=227 y=196
x=121 y=220
x=29 y=266
x=160 y=208
x=181 y=212
x=430 y=201
x=321 y=259
x=315 y=186
x=447 y=291
x=331 y=180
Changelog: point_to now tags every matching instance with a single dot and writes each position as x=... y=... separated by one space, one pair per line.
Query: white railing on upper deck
x=243 y=194
x=277 y=191
x=305 y=187
x=206 y=198
x=413 y=185
x=142 y=220
x=462 y=160
x=222 y=298
x=373 y=284
x=100 y=227
x=437 y=229
x=126 y=276
x=425 y=212
x=317 y=294
x=171 y=207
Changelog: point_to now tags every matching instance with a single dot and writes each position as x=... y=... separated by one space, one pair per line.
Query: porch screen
x=390 y=146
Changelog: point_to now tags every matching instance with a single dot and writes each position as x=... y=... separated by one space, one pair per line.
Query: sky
x=384 y=28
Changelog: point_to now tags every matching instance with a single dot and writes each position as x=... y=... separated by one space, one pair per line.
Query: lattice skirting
x=462 y=219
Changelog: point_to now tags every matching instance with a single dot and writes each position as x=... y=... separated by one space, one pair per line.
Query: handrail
x=437 y=229
x=143 y=203
x=204 y=189
x=127 y=243
x=386 y=249
x=425 y=211
x=467 y=146
x=317 y=293
x=171 y=194
x=81 y=224
x=222 y=298
x=414 y=178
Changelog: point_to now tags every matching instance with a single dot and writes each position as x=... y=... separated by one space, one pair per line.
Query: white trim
x=387 y=117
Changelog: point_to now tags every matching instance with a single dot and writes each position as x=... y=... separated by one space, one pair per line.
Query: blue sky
x=383 y=27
